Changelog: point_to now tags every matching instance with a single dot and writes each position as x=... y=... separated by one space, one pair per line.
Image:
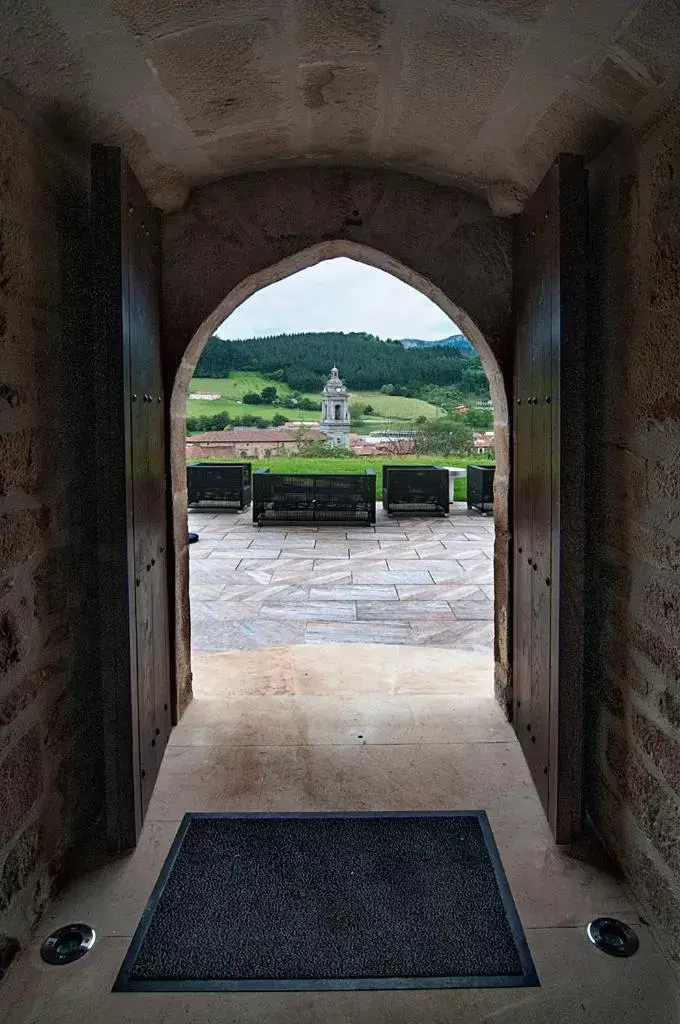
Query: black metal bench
x=416 y=490
x=224 y=485
x=313 y=497
x=480 y=488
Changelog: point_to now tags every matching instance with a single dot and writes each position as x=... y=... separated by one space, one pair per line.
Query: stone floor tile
x=358 y=632
x=244 y=635
x=440 y=592
x=458 y=718
x=242 y=721
x=327 y=572
x=322 y=611
x=431 y=549
x=451 y=633
x=389 y=611
x=447 y=573
x=298 y=544
x=198 y=553
x=226 y=674
x=329 y=551
x=198 y=778
x=353 y=592
x=205 y=591
x=398 y=551
x=230 y=543
x=472 y=609
x=391 y=577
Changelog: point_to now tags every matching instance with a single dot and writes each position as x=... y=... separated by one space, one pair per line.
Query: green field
x=233 y=388
x=283 y=464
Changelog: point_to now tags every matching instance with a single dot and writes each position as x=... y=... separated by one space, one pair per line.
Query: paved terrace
x=411 y=581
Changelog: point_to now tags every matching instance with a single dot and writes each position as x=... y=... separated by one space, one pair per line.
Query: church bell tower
x=335 y=410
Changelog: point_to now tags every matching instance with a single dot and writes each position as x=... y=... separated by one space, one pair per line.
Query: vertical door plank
x=568 y=502
x=548 y=601
x=522 y=506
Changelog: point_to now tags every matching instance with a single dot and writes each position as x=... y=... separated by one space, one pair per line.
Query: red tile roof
x=241 y=435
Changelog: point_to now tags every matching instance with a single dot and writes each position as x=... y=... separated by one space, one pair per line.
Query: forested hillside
x=303 y=361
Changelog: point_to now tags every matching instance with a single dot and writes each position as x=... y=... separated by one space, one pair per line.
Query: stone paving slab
x=415 y=582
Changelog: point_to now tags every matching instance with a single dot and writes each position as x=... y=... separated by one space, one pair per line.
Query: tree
x=252 y=398
x=479 y=419
x=309 y=405
x=268 y=394
x=387 y=389
x=313 y=448
x=368 y=410
x=278 y=420
x=356 y=414
x=444 y=437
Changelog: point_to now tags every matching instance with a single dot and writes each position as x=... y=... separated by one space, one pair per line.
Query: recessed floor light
x=613 y=937
x=68 y=944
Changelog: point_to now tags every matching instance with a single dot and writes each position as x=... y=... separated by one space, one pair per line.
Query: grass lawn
x=233 y=389
x=284 y=464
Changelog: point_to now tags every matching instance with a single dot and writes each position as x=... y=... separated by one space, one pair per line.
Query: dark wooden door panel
x=548 y=461
x=522 y=513
x=540 y=546
x=132 y=333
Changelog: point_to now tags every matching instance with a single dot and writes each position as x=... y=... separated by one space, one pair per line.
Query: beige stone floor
x=353 y=727
x=421 y=581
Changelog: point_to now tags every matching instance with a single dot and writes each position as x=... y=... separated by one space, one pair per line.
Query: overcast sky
x=339 y=295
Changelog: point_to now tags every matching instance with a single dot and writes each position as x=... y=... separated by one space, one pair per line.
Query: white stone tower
x=335 y=410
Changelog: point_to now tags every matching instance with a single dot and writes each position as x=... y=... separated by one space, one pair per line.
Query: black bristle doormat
x=329 y=901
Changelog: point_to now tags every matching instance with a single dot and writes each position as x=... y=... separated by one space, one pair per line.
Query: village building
x=248 y=442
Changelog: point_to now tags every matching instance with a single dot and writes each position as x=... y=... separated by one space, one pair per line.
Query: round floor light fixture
x=613 y=937
x=68 y=944
x=193 y=537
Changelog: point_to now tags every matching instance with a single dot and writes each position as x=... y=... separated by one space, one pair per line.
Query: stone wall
x=633 y=555
x=247 y=232
x=49 y=793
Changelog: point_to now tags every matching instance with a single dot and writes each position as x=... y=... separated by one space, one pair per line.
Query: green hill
x=240 y=383
x=366 y=363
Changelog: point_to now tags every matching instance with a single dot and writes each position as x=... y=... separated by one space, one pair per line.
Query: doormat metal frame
x=528 y=978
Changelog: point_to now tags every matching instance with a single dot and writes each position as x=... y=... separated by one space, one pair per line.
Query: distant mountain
x=457 y=341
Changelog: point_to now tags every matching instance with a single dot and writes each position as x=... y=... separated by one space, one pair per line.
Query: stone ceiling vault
x=481 y=94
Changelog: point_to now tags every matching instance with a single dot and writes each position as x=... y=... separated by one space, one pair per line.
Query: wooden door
x=132 y=505
x=549 y=407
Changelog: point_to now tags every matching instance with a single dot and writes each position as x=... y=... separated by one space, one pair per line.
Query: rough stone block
x=663 y=749
x=22 y=533
x=9 y=947
x=18 y=469
x=656 y=813
x=19 y=864
x=668 y=704
x=655 y=546
x=20 y=782
x=10 y=642
x=18 y=698
x=51 y=580
x=658 y=893
x=662 y=654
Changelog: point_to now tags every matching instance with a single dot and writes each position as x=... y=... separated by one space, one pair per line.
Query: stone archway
x=284 y=268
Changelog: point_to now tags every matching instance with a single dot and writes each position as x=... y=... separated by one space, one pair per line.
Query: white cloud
x=339 y=295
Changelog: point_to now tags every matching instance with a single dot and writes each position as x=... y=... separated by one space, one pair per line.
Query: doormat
x=329 y=901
